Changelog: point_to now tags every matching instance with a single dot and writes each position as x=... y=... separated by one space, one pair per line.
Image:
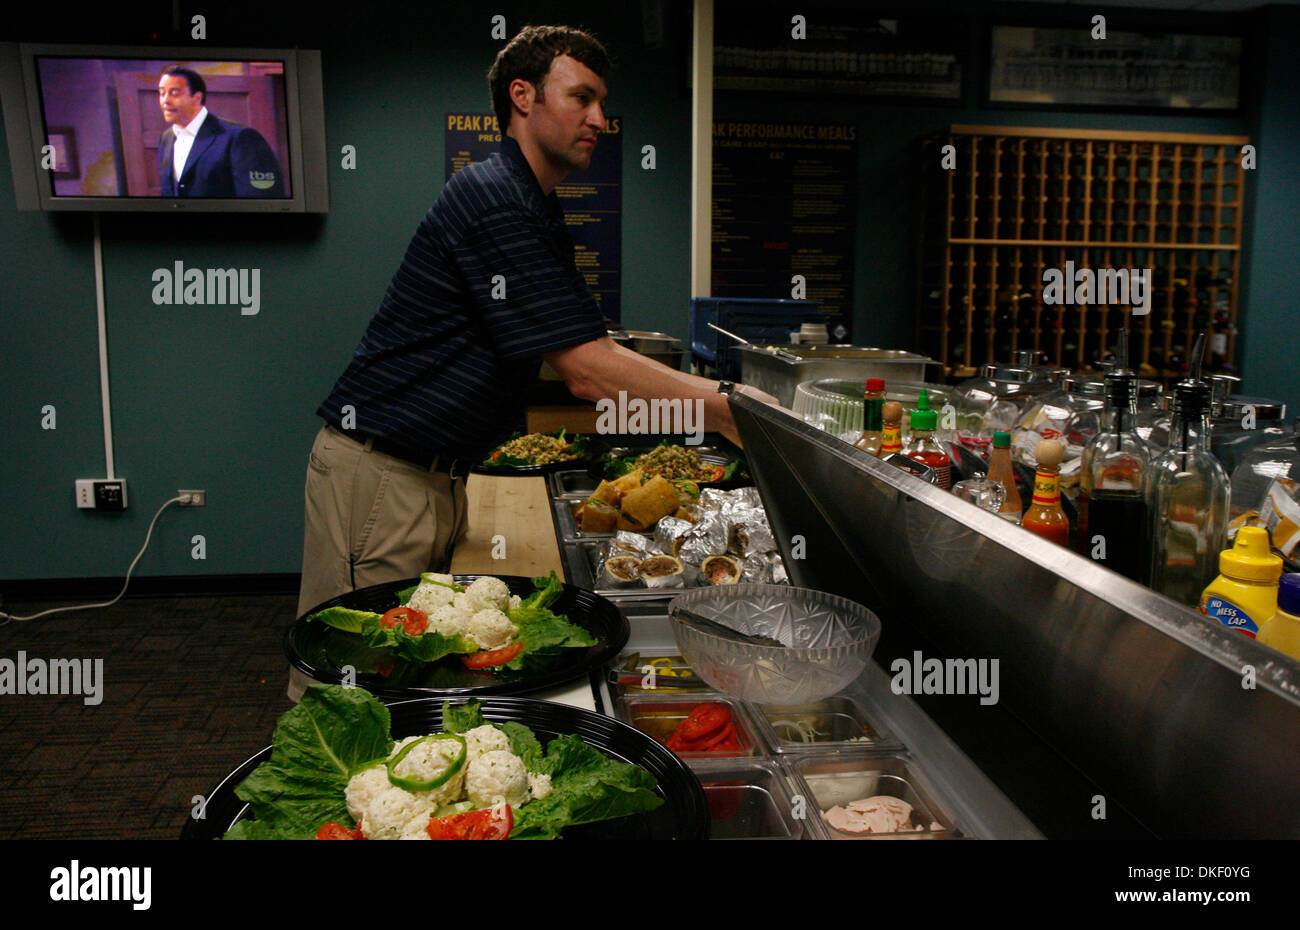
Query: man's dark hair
x=528 y=56
x=193 y=79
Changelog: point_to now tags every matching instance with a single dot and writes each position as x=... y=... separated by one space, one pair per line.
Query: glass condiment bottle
x=1282 y=631
x=1112 y=482
x=1002 y=472
x=891 y=430
x=923 y=447
x=873 y=402
x=1187 y=501
x=1045 y=515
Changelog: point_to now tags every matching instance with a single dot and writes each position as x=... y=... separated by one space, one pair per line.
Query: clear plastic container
x=658 y=716
x=837 y=723
x=751 y=800
x=998 y=397
x=1277 y=458
x=838 y=781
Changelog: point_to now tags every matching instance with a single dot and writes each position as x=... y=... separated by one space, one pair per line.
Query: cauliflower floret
x=428 y=760
x=428 y=597
x=396 y=813
x=490 y=628
x=539 y=786
x=489 y=592
x=363 y=788
x=497 y=776
x=515 y=602
x=449 y=621
x=486 y=738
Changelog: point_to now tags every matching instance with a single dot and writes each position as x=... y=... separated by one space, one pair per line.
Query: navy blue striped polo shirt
x=444 y=364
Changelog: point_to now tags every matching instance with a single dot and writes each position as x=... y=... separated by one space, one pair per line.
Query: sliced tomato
x=413 y=621
x=336 y=831
x=714 y=740
x=703 y=720
x=492 y=824
x=718 y=472
x=490 y=657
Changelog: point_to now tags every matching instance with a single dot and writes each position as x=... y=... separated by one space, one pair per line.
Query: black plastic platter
x=322 y=652
x=684 y=815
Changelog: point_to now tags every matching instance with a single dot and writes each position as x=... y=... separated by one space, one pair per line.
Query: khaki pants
x=371 y=518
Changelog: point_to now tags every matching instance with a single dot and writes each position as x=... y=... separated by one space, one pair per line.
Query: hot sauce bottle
x=872 y=417
x=1045 y=516
x=923 y=447
x=891 y=433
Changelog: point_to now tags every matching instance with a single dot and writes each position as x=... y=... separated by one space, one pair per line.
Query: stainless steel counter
x=1191 y=727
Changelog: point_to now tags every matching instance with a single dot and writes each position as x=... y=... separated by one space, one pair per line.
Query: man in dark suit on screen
x=202 y=156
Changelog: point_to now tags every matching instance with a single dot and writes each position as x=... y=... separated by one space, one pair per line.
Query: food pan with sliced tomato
x=693 y=726
x=467 y=634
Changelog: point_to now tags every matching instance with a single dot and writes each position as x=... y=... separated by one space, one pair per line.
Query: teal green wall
x=203 y=397
x=206 y=398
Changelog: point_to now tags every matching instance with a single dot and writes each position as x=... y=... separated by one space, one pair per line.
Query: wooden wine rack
x=1021 y=200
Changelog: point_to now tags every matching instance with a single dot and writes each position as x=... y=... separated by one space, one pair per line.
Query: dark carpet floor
x=192 y=686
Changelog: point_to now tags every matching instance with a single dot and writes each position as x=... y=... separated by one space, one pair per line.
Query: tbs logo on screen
x=262 y=180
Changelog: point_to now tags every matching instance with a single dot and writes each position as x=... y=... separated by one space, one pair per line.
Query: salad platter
x=707 y=466
x=605 y=779
x=556 y=632
x=537 y=454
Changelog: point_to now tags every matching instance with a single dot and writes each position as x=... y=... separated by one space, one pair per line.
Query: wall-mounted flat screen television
x=163 y=129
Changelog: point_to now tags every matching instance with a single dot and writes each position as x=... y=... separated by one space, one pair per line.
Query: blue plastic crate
x=762 y=322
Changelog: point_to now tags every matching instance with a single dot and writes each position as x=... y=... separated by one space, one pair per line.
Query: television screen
x=130 y=128
x=122 y=127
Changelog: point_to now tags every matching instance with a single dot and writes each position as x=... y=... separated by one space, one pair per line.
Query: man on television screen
x=200 y=155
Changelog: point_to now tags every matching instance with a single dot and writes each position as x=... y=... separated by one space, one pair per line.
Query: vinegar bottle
x=1045 y=516
x=1187 y=501
x=1112 y=481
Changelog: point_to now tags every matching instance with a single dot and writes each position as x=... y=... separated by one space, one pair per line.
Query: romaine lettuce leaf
x=318 y=745
x=461 y=718
x=586 y=786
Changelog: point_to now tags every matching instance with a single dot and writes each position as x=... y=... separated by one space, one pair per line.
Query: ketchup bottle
x=1045 y=516
x=922 y=445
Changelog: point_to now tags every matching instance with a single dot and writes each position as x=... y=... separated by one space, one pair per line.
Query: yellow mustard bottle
x=1282 y=632
x=1245 y=593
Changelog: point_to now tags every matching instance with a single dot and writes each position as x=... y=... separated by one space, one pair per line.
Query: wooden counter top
x=510 y=514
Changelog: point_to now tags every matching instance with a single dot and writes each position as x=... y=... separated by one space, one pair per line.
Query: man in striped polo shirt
x=487 y=289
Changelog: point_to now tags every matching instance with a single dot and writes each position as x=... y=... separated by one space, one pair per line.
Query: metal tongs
x=779 y=353
x=719 y=629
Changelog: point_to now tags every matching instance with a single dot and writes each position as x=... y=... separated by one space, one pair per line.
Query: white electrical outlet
x=85 y=494
x=192 y=498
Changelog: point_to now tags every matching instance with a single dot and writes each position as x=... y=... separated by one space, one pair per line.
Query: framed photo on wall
x=1060 y=68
